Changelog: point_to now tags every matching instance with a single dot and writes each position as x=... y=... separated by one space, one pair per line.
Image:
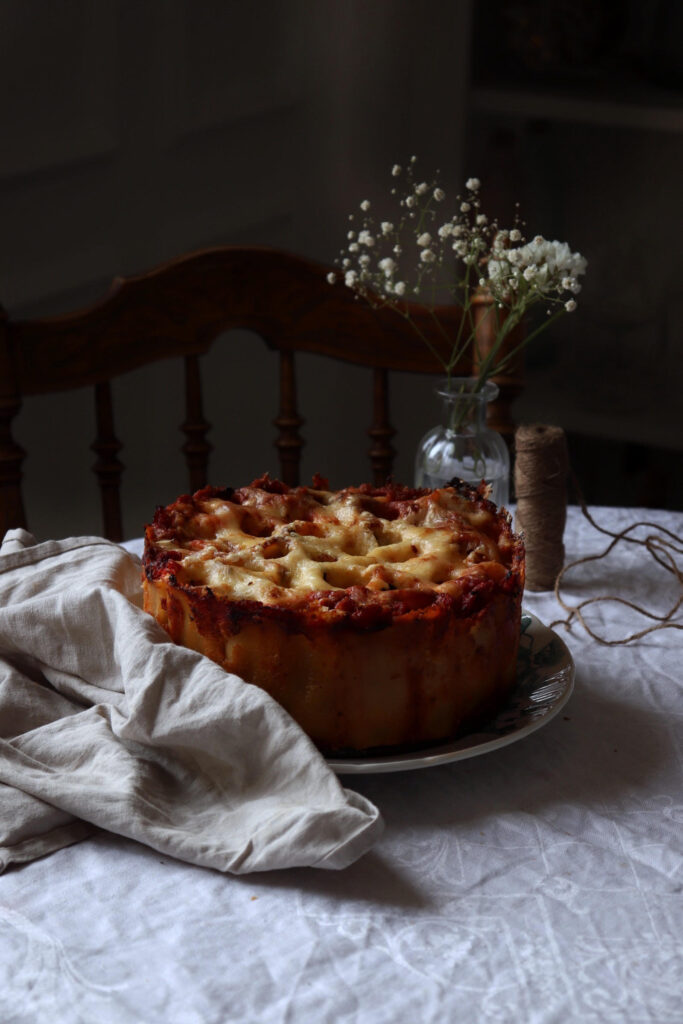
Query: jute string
x=543 y=451
x=541 y=466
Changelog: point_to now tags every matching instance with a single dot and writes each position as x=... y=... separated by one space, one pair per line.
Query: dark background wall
x=134 y=130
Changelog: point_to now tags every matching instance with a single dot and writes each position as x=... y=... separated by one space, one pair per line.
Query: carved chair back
x=179 y=309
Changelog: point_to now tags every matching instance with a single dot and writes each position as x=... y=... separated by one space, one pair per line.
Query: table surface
x=540 y=882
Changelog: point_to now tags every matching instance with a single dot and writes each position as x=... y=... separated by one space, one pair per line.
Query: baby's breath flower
x=517 y=274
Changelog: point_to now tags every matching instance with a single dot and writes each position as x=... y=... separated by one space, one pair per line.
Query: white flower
x=515 y=235
x=465 y=207
x=482 y=218
x=424 y=240
x=445 y=230
x=457 y=230
x=427 y=256
x=421 y=188
x=353 y=247
x=460 y=248
x=351 y=234
x=473 y=184
x=529 y=273
x=397 y=250
x=410 y=201
x=365 y=205
x=396 y=170
x=365 y=238
x=400 y=288
x=387 y=227
x=570 y=305
x=350 y=278
x=331 y=277
x=387 y=265
x=439 y=194
x=364 y=260
x=498 y=270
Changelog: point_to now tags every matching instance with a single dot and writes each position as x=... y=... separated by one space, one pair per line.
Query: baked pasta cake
x=377 y=616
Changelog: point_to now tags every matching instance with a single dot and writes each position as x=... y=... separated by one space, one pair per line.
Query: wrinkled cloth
x=106 y=724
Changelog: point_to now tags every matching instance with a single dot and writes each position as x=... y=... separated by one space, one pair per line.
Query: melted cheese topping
x=274 y=548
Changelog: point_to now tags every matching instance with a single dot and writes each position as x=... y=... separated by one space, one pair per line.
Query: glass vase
x=463 y=445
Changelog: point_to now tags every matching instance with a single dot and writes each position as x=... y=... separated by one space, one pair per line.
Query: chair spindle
x=289 y=442
x=381 y=451
x=108 y=468
x=197 y=448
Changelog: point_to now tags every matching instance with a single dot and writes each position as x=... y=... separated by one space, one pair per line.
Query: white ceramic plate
x=545 y=680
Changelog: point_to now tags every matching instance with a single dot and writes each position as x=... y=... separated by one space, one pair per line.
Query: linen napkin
x=104 y=722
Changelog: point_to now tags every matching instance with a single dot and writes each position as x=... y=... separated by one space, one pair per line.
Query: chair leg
x=382 y=451
x=289 y=442
x=108 y=468
x=197 y=448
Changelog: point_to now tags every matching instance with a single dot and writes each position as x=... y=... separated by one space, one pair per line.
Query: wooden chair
x=179 y=309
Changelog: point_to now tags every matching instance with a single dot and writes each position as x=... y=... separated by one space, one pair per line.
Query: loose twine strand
x=541 y=474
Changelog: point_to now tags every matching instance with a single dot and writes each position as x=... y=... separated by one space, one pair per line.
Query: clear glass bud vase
x=463 y=445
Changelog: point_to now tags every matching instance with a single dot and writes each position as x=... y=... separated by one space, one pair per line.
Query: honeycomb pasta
x=376 y=616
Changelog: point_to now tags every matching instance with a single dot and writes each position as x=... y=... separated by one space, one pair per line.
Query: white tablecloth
x=538 y=883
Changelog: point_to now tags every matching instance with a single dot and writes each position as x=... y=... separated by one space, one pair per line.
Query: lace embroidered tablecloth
x=541 y=882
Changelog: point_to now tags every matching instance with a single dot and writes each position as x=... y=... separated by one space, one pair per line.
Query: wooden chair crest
x=179 y=309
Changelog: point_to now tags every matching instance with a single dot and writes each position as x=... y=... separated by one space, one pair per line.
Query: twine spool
x=541 y=469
